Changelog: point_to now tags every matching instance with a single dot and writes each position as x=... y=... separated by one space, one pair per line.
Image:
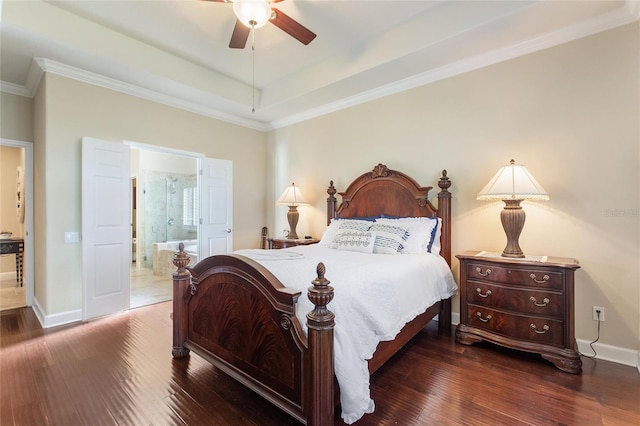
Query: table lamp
x=512 y=184
x=292 y=197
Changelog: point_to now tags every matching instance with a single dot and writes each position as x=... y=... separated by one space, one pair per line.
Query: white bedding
x=405 y=286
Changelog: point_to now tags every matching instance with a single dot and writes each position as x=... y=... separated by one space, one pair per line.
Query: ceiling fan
x=253 y=14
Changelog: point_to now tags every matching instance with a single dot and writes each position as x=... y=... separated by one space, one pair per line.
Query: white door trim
x=29 y=251
x=157 y=148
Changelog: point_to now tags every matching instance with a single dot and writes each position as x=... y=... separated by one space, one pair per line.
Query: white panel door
x=216 y=207
x=106 y=233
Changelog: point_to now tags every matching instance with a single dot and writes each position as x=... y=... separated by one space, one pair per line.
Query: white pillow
x=329 y=233
x=423 y=233
x=389 y=238
x=354 y=240
x=435 y=241
x=336 y=224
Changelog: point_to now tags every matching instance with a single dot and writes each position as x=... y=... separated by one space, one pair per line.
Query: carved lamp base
x=512 y=217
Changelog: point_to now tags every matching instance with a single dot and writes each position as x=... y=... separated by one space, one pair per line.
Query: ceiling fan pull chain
x=253 y=69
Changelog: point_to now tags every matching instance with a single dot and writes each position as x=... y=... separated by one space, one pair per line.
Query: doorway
x=107 y=228
x=164 y=213
x=16 y=223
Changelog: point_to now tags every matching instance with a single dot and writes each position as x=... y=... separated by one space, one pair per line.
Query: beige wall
x=569 y=113
x=16 y=116
x=72 y=110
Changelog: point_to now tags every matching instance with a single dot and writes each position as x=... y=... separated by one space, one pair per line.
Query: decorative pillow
x=389 y=239
x=356 y=224
x=422 y=233
x=435 y=245
x=367 y=218
x=354 y=240
x=329 y=233
x=337 y=224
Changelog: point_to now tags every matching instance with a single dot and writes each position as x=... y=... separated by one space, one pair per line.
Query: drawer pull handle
x=486 y=274
x=545 y=278
x=487 y=294
x=485 y=319
x=545 y=328
x=544 y=303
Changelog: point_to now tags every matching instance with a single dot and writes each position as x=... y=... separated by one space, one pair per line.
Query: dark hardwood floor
x=119 y=371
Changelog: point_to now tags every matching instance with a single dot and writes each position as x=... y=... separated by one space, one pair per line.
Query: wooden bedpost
x=444 y=212
x=320 y=323
x=181 y=281
x=331 y=202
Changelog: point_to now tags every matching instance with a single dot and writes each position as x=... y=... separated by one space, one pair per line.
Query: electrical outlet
x=597 y=309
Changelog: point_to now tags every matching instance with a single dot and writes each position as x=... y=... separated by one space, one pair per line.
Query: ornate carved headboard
x=384 y=191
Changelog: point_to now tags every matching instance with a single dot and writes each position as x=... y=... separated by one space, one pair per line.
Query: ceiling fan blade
x=292 y=27
x=239 y=36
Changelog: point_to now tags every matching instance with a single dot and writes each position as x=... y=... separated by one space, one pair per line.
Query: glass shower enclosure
x=170 y=217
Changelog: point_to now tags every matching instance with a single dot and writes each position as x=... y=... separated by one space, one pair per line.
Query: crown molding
x=95 y=79
x=14 y=89
x=43 y=65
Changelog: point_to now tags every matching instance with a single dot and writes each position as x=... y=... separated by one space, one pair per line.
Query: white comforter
x=375 y=295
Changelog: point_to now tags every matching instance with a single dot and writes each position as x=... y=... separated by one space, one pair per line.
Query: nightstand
x=280 y=243
x=521 y=304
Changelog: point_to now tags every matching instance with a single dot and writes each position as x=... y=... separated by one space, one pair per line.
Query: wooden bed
x=233 y=312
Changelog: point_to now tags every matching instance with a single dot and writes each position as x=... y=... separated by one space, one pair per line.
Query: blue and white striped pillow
x=354 y=240
x=349 y=225
x=389 y=239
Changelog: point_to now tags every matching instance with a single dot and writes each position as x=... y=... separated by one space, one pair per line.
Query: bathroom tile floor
x=147 y=289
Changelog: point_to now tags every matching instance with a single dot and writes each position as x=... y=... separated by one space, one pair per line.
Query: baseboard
x=610 y=353
x=603 y=351
x=37 y=309
x=48 y=321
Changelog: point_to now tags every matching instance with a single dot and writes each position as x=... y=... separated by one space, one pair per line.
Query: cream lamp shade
x=292 y=197
x=252 y=13
x=512 y=184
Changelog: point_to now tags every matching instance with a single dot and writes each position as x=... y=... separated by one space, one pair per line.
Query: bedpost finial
x=331 y=190
x=320 y=294
x=444 y=183
x=320 y=270
x=181 y=260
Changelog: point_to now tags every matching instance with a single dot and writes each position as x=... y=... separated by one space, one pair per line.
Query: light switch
x=71 y=237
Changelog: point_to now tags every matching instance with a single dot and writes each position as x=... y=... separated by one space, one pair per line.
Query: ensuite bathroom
x=164 y=214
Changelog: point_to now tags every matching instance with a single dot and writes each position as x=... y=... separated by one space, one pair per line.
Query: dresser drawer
x=525 y=276
x=522 y=300
x=531 y=329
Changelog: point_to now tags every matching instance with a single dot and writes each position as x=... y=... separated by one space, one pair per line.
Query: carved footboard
x=237 y=315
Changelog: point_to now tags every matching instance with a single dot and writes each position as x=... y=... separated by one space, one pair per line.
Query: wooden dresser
x=521 y=304
x=280 y=243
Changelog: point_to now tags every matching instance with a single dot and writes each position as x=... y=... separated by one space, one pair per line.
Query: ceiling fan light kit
x=252 y=13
